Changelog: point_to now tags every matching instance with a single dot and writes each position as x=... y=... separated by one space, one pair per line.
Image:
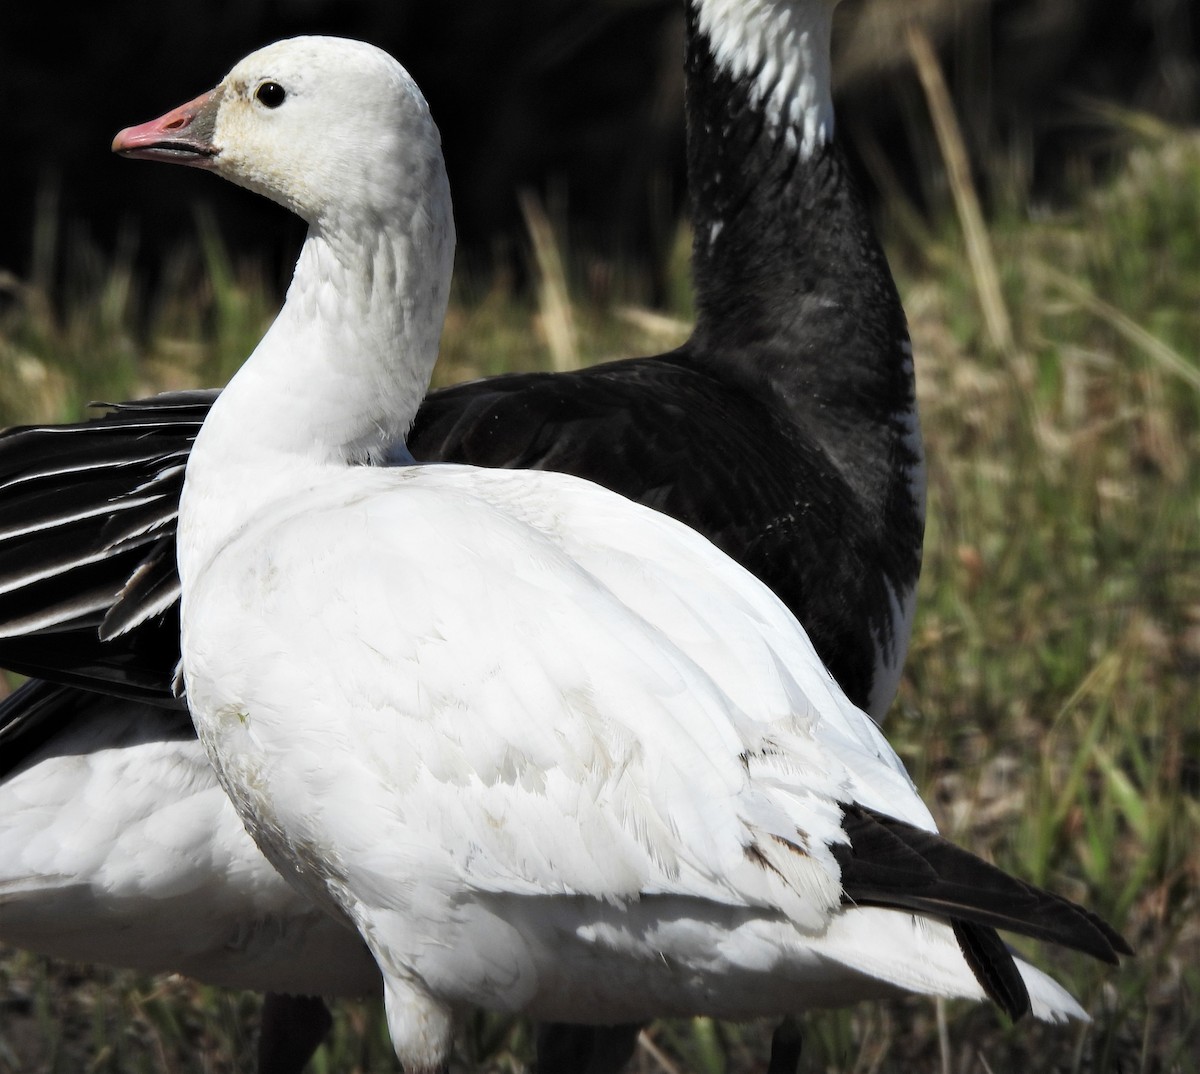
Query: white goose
x=547 y=750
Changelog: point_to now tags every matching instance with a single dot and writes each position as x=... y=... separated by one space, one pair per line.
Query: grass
x=1050 y=710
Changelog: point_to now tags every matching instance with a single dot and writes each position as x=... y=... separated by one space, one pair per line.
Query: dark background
x=580 y=100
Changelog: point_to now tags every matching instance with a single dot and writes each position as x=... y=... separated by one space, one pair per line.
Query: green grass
x=1050 y=710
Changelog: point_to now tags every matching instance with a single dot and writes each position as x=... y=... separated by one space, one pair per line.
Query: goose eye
x=271 y=94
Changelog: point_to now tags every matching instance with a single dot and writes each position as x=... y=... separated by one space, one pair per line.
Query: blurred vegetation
x=578 y=100
x=1050 y=709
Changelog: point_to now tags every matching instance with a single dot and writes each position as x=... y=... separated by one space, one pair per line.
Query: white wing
x=538 y=687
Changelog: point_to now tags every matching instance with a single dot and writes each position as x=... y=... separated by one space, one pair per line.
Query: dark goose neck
x=792 y=288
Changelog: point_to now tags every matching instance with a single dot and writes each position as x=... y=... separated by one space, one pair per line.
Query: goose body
x=835 y=532
x=546 y=749
x=609 y=753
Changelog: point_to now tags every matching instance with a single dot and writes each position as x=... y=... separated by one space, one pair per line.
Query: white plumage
x=540 y=769
x=115 y=879
x=547 y=750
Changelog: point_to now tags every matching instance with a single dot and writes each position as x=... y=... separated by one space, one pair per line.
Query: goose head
x=338 y=132
x=318 y=124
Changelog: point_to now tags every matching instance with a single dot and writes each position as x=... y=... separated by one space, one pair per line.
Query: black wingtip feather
x=992 y=963
x=890 y=863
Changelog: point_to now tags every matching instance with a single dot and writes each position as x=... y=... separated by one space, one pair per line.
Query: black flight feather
x=888 y=862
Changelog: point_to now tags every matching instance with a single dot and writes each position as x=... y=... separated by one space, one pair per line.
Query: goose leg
x=785 y=1047
x=571 y=1049
x=292 y=1029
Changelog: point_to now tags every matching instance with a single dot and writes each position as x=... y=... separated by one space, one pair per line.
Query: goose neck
x=338 y=377
x=762 y=164
x=777 y=54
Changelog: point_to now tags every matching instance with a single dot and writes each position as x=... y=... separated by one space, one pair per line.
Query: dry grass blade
x=669 y=331
x=943 y=1032
x=554 y=299
x=660 y=1058
x=966 y=200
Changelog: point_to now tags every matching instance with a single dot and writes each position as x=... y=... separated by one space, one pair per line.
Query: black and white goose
x=548 y=750
x=784 y=429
